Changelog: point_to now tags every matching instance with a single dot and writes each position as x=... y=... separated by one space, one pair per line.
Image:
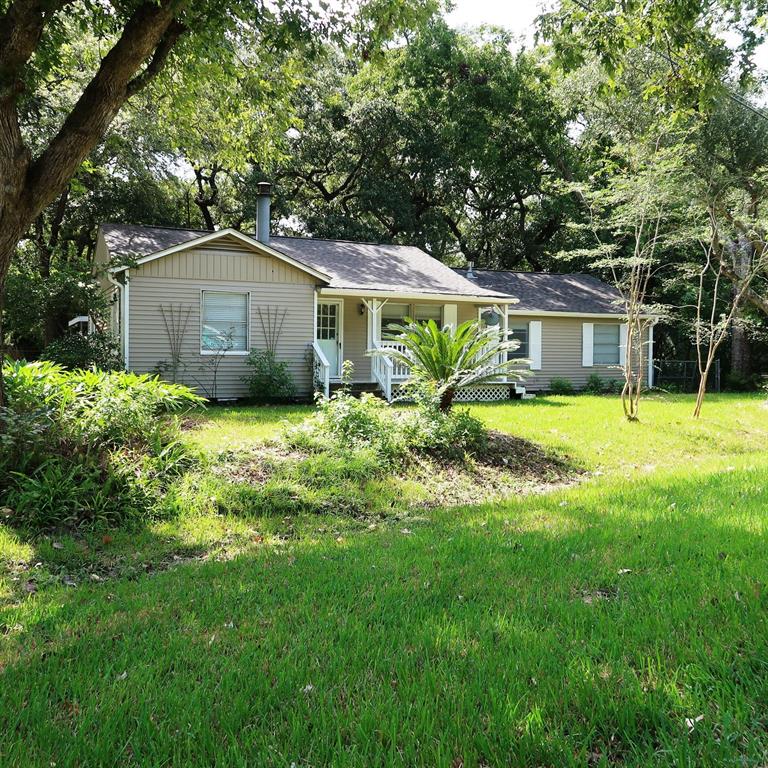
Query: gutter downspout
x=124 y=298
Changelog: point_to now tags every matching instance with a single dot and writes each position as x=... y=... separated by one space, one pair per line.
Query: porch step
x=357 y=388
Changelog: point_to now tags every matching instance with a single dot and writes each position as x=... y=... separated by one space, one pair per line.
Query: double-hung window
x=423 y=313
x=606 y=342
x=224 y=326
x=393 y=314
x=518 y=332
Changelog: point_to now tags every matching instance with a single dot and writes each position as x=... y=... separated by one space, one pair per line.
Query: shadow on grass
x=623 y=625
x=278 y=485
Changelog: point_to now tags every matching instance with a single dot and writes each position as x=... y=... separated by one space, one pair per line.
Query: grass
x=620 y=622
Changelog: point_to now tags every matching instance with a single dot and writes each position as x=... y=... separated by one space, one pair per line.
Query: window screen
x=425 y=312
x=225 y=321
x=518 y=332
x=606 y=340
x=393 y=314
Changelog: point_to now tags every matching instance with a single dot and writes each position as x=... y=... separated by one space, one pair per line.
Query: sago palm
x=449 y=358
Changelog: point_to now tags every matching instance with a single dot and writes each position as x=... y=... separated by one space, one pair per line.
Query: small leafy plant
x=96 y=350
x=447 y=359
x=596 y=385
x=561 y=386
x=269 y=380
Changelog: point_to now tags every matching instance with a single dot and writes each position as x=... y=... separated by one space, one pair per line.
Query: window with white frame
x=393 y=314
x=518 y=332
x=423 y=313
x=224 y=326
x=605 y=344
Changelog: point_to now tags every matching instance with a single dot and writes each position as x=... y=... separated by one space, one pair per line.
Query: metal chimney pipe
x=263 y=205
x=471 y=270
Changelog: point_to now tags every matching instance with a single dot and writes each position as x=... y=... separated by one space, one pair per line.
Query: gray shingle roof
x=543 y=292
x=357 y=266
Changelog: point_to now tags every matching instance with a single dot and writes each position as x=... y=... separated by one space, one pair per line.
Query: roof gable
x=145 y=244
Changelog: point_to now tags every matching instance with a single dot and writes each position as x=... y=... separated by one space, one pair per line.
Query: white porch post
x=374 y=307
x=505 y=314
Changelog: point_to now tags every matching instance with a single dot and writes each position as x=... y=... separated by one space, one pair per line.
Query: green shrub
x=269 y=381
x=344 y=424
x=446 y=435
x=96 y=350
x=83 y=448
x=599 y=386
x=561 y=386
x=345 y=421
x=735 y=382
x=594 y=385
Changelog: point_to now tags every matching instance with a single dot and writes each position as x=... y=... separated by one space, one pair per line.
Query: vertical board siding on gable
x=178 y=280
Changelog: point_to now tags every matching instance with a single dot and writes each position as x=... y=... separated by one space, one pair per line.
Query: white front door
x=329 y=333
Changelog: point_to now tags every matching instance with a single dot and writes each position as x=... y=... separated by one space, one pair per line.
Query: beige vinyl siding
x=222 y=261
x=179 y=280
x=355 y=338
x=561 y=348
x=355 y=341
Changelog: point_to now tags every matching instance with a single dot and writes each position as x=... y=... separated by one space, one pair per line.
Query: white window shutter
x=623 y=328
x=450 y=315
x=587 y=344
x=534 y=344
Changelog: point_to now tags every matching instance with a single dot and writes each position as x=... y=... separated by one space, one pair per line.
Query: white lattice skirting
x=484 y=393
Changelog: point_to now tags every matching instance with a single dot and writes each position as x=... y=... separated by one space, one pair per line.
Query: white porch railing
x=382 y=368
x=400 y=371
x=321 y=369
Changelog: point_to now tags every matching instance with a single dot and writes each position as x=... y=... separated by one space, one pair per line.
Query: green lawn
x=619 y=622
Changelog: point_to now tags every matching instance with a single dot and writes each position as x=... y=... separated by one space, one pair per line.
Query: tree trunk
x=28 y=186
x=701 y=392
x=446 y=400
x=740 y=345
x=741 y=353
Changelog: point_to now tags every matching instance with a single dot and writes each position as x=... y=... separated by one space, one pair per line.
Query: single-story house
x=192 y=304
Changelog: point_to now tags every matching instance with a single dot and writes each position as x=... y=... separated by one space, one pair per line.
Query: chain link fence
x=683 y=375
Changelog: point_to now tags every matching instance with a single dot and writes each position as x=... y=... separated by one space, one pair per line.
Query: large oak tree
x=139 y=39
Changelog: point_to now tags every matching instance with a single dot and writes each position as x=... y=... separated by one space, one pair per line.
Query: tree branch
x=21 y=28
x=145 y=36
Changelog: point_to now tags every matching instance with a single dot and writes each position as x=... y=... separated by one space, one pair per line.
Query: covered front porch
x=353 y=327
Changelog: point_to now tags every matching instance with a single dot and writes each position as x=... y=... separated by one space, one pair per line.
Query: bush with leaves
x=96 y=350
x=449 y=436
x=561 y=386
x=344 y=422
x=269 y=381
x=87 y=447
x=596 y=385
